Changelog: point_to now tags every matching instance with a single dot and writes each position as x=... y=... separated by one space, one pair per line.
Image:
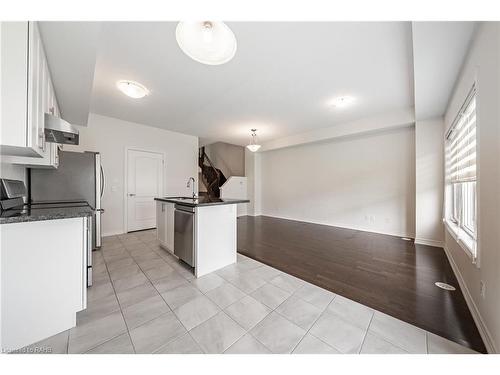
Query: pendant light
x=208 y=42
x=253 y=146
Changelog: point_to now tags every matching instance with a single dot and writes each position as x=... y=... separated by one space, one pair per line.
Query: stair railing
x=202 y=158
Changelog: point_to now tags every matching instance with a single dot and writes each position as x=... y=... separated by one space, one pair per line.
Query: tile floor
x=145 y=301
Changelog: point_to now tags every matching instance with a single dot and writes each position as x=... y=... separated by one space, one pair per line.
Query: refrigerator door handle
x=103 y=183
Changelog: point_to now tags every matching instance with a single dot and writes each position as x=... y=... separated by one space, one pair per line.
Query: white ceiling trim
x=381 y=122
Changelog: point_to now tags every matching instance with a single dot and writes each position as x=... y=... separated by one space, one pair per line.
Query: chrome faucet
x=189 y=185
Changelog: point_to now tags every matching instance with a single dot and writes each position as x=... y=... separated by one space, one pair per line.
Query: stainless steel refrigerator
x=79 y=178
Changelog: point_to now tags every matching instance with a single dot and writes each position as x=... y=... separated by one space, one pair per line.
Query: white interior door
x=144 y=183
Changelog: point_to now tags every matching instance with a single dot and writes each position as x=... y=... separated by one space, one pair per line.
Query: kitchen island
x=199 y=231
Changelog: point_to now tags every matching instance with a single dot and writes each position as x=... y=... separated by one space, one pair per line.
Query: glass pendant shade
x=208 y=42
x=254 y=146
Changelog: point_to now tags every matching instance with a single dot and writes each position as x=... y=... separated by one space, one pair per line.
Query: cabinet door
x=42 y=100
x=43 y=279
x=14 y=88
x=169 y=211
x=36 y=66
x=160 y=223
x=50 y=106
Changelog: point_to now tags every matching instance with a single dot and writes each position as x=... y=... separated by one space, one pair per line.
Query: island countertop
x=201 y=201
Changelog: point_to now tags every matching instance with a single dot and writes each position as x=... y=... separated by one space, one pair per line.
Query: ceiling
x=71 y=54
x=280 y=80
x=439 y=49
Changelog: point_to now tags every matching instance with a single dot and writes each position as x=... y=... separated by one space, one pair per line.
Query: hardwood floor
x=383 y=272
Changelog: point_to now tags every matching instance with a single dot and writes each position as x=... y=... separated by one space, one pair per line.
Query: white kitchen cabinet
x=161 y=223
x=165 y=224
x=43 y=278
x=215 y=238
x=27 y=94
x=170 y=208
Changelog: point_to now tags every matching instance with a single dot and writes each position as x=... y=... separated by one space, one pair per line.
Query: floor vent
x=444 y=286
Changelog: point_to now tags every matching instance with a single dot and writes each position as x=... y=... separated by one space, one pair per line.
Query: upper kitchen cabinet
x=26 y=95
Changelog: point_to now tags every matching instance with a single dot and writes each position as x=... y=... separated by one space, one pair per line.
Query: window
x=461 y=198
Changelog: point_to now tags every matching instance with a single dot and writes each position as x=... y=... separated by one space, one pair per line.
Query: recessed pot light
x=208 y=42
x=133 y=89
x=341 y=101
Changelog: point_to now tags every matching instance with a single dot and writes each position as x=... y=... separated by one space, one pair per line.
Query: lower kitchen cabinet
x=43 y=278
x=165 y=225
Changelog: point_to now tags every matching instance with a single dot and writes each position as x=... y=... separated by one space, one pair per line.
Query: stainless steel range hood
x=59 y=131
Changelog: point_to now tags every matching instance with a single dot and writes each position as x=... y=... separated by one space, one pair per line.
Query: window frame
x=453 y=214
x=459 y=205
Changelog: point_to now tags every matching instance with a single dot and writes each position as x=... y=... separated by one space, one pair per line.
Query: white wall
x=230 y=159
x=111 y=137
x=429 y=182
x=253 y=175
x=482 y=65
x=236 y=188
x=364 y=182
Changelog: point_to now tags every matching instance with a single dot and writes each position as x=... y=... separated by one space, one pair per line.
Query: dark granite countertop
x=201 y=201
x=44 y=212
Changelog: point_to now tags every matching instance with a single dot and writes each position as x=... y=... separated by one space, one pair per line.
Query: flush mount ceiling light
x=253 y=146
x=341 y=101
x=208 y=42
x=133 y=89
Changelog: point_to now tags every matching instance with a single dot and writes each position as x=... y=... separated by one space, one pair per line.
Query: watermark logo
x=29 y=350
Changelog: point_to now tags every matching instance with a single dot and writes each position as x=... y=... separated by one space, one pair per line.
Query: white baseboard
x=107 y=234
x=481 y=326
x=361 y=229
x=424 y=241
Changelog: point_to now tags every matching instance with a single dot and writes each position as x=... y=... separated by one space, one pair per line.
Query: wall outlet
x=482 y=289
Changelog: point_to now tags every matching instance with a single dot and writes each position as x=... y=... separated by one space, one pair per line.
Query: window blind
x=461 y=144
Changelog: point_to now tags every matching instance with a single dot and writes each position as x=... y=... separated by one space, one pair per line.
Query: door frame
x=125 y=179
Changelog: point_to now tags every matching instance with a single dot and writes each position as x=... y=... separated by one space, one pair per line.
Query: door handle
x=103 y=182
x=131 y=195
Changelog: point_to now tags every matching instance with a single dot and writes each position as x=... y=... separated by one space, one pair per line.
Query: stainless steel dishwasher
x=184 y=233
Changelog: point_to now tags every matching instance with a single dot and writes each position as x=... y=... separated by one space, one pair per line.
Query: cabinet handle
x=131 y=195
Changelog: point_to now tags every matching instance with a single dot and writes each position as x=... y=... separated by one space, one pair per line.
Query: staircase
x=212 y=177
